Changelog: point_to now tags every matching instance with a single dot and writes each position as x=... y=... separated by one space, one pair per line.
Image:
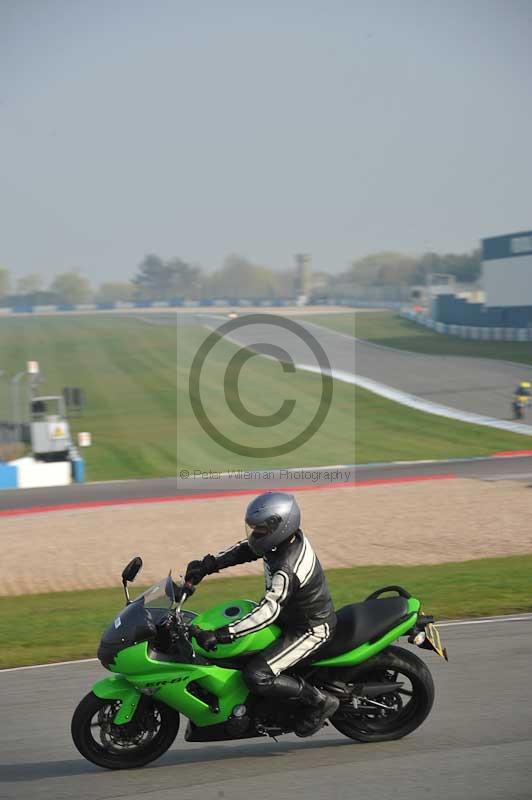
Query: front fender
x=119 y=688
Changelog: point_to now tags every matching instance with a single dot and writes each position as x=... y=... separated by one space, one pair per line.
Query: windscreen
x=160 y=595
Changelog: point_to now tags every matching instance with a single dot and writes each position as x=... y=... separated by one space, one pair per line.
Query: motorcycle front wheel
x=390 y=715
x=149 y=734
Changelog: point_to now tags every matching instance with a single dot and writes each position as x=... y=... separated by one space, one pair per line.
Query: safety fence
x=348 y=302
x=496 y=334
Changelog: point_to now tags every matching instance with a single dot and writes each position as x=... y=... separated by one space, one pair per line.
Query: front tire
x=392 y=715
x=149 y=734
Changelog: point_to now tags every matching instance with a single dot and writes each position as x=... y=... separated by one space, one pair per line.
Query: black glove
x=188 y=589
x=197 y=570
x=209 y=640
x=206 y=639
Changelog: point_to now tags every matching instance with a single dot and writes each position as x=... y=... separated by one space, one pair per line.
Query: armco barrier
x=348 y=302
x=469 y=331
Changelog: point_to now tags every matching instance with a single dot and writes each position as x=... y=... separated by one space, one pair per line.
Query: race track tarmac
x=490 y=469
x=476 y=745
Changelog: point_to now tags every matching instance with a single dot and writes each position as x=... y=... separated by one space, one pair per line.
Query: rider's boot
x=317 y=708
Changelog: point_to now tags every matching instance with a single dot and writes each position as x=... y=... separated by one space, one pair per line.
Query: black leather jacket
x=296 y=594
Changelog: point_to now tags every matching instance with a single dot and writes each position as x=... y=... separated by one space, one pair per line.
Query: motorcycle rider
x=521 y=399
x=296 y=598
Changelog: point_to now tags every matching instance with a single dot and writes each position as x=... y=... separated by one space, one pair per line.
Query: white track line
x=54 y=664
x=419 y=403
x=484 y=621
x=520 y=618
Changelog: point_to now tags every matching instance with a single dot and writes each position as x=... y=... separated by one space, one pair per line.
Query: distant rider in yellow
x=521 y=399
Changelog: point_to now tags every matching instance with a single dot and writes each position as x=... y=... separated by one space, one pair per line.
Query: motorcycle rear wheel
x=135 y=744
x=398 y=713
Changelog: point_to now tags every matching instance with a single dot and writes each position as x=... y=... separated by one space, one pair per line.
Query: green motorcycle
x=132 y=718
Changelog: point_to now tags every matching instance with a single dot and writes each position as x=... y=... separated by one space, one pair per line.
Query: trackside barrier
x=32 y=474
x=78 y=470
x=469 y=331
x=27 y=473
x=8 y=476
x=223 y=302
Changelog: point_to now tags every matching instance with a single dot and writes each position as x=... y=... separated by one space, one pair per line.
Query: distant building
x=507 y=270
x=506 y=283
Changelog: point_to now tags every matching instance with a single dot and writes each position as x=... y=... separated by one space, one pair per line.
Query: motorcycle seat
x=359 y=623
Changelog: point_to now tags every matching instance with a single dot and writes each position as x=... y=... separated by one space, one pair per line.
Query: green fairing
x=169 y=682
x=174 y=683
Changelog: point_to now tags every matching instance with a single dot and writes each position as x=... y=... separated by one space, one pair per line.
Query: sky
x=200 y=129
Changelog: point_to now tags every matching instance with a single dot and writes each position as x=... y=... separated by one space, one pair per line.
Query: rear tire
x=149 y=734
x=408 y=707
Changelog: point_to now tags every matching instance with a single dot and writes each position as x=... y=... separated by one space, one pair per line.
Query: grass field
x=68 y=625
x=135 y=376
x=390 y=330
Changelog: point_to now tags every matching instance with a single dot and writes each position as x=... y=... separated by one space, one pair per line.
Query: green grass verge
x=39 y=629
x=387 y=328
x=128 y=372
x=135 y=376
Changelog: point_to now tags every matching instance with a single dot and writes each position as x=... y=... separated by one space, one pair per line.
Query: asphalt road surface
x=477 y=743
x=491 y=469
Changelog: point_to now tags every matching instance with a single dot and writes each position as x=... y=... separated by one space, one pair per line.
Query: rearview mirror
x=132 y=570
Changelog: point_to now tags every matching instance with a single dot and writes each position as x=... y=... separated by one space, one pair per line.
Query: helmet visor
x=260 y=534
x=264 y=527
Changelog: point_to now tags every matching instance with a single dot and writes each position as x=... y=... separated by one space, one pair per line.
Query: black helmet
x=271 y=519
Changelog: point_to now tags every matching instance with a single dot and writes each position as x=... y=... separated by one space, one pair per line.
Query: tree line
x=238 y=278
x=398 y=269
